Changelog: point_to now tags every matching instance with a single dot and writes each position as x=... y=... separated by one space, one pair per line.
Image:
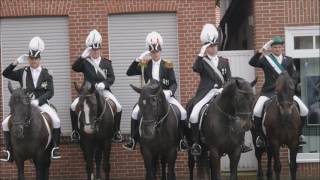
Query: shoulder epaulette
x=168 y=63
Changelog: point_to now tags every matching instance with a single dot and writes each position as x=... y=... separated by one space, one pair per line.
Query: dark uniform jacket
x=270 y=75
x=166 y=74
x=208 y=78
x=90 y=74
x=44 y=89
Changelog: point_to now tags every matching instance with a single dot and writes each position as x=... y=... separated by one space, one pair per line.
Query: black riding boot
x=131 y=145
x=117 y=137
x=75 y=136
x=55 y=154
x=196 y=148
x=7 y=154
x=260 y=142
x=302 y=139
x=183 y=144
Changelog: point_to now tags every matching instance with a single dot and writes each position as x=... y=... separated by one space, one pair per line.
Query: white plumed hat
x=94 y=39
x=36 y=46
x=154 y=41
x=209 y=34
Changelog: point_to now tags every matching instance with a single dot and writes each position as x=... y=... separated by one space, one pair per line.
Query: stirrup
x=302 y=140
x=117 y=134
x=133 y=147
x=245 y=148
x=263 y=144
x=182 y=141
x=8 y=156
x=193 y=151
x=77 y=134
x=54 y=157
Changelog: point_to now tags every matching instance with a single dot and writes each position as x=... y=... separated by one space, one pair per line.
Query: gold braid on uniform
x=168 y=64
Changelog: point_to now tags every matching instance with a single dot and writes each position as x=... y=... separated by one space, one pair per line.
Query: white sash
x=273 y=64
x=97 y=68
x=215 y=69
x=24 y=79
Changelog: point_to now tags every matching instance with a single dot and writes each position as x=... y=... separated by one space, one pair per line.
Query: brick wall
x=270 y=19
x=84 y=16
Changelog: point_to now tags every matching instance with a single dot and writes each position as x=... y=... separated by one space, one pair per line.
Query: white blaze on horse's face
x=86 y=110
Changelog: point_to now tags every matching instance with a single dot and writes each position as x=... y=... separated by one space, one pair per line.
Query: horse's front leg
x=171 y=160
x=191 y=163
x=98 y=157
x=269 y=162
x=20 y=166
x=149 y=163
x=215 y=164
x=293 y=161
x=258 y=153
x=163 y=169
x=277 y=163
x=88 y=150
x=106 y=159
x=234 y=161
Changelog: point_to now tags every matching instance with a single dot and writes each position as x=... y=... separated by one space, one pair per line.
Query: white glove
x=167 y=93
x=86 y=52
x=21 y=59
x=267 y=45
x=100 y=86
x=220 y=90
x=142 y=55
x=35 y=102
x=203 y=49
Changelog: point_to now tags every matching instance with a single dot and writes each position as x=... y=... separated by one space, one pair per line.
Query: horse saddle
x=112 y=105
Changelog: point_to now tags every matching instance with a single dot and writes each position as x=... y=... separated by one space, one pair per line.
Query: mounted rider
x=161 y=70
x=39 y=85
x=214 y=71
x=273 y=64
x=98 y=71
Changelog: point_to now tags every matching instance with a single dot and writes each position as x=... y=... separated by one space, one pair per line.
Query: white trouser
x=44 y=108
x=106 y=94
x=171 y=100
x=257 y=111
x=194 y=116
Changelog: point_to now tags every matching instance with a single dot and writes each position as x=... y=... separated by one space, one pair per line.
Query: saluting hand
x=21 y=59
x=142 y=56
x=266 y=46
x=203 y=49
x=86 y=52
x=100 y=86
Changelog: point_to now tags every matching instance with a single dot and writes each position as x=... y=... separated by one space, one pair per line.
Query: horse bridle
x=26 y=122
x=159 y=122
x=96 y=119
x=229 y=116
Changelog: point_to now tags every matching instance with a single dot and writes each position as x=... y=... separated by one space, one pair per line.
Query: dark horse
x=282 y=123
x=223 y=129
x=158 y=131
x=29 y=134
x=96 y=129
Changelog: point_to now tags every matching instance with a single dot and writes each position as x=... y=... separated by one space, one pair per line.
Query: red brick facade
x=84 y=15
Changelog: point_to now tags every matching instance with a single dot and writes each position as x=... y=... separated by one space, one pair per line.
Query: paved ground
x=246 y=178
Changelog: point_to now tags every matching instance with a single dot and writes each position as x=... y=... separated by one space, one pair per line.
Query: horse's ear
x=10 y=87
x=238 y=84
x=136 y=89
x=254 y=82
x=76 y=87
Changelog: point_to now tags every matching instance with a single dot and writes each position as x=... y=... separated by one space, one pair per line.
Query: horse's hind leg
x=106 y=159
x=293 y=162
x=98 y=157
x=258 y=153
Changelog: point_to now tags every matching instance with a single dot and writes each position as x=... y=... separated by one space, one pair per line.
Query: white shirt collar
x=97 y=61
x=214 y=59
x=38 y=69
x=279 y=58
x=156 y=62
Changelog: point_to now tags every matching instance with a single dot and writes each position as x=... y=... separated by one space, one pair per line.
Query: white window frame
x=290 y=33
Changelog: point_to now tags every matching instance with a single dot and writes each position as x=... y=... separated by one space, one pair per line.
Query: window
x=302 y=43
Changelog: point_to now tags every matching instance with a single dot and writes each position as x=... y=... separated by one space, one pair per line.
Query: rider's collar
x=156 y=62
